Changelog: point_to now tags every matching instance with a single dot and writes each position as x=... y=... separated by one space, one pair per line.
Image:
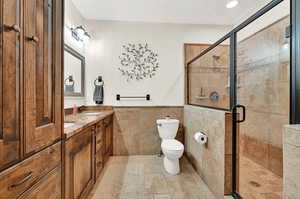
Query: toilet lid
x=167 y=121
x=172 y=144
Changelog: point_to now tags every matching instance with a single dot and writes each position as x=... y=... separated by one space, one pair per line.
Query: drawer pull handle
x=34 y=39
x=25 y=179
x=14 y=27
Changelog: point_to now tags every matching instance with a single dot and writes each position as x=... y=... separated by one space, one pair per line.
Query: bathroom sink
x=68 y=124
x=92 y=113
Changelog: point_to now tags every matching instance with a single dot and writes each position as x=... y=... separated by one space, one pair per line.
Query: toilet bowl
x=173 y=150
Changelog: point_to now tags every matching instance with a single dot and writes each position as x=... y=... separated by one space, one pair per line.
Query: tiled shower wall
x=263 y=87
x=135 y=130
x=291 y=148
x=210 y=74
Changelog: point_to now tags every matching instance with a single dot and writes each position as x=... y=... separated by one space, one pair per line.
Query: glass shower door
x=262 y=90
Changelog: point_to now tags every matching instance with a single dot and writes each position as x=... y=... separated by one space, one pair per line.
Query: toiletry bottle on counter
x=75 y=109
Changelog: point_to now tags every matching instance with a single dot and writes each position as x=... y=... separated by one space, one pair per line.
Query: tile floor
x=143 y=177
x=257 y=182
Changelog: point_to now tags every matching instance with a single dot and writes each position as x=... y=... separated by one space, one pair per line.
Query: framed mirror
x=74 y=72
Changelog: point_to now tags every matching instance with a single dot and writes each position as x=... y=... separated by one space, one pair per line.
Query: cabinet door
x=79 y=164
x=10 y=81
x=42 y=73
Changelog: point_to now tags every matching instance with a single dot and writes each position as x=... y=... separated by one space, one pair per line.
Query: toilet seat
x=172 y=144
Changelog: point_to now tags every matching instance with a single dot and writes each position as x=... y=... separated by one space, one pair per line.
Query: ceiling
x=168 y=11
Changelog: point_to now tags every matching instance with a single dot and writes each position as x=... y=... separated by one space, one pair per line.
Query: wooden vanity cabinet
x=79 y=164
x=84 y=158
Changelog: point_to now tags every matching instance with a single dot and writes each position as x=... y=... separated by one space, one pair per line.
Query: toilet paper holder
x=200 y=137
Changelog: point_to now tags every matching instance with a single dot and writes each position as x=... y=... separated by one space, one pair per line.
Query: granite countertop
x=83 y=120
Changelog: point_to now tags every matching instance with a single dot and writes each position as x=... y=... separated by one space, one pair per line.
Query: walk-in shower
x=263 y=74
x=249 y=71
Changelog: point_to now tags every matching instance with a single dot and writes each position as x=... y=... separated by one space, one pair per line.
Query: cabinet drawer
x=49 y=187
x=22 y=176
x=99 y=162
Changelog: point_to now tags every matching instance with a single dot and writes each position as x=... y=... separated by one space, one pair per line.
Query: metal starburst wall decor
x=138 y=62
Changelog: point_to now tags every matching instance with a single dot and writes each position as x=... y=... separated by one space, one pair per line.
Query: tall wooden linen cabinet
x=31 y=43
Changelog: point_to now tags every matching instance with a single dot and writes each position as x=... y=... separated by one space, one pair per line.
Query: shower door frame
x=295 y=62
x=294 y=77
x=294 y=73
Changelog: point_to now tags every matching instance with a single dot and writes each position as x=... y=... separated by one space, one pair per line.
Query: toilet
x=171 y=148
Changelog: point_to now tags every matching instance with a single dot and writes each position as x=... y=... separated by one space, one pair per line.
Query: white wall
x=167 y=87
x=72 y=19
x=105 y=46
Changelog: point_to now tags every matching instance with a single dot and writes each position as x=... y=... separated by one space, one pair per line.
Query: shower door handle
x=235 y=108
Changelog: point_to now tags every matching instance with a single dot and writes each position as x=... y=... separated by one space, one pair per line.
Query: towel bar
x=147 y=97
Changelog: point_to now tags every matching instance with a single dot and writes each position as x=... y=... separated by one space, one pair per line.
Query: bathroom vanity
x=87 y=146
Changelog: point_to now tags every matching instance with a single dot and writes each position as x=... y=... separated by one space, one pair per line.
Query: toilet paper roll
x=200 y=138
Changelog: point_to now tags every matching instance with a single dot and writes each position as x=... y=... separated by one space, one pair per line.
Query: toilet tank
x=167 y=128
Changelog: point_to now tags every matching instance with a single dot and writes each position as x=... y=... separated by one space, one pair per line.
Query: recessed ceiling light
x=232 y=3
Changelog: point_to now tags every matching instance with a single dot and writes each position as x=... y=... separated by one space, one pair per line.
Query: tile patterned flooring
x=143 y=177
x=257 y=182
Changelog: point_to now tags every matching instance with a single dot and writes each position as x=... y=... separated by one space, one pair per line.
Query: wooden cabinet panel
x=50 y=187
x=42 y=69
x=108 y=125
x=20 y=177
x=79 y=164
x=99 y=162
x=10 y=81
x=99 y=136
x=100 y=148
